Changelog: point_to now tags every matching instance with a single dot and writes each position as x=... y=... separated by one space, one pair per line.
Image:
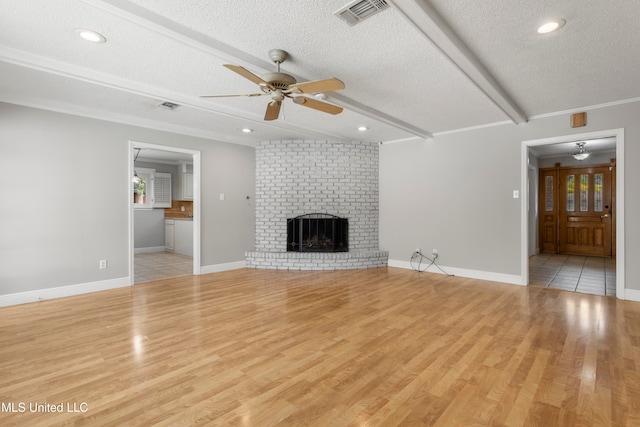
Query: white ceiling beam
x=429 y=23
x=151 y=20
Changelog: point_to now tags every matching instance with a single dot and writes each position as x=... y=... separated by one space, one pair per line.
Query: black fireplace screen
x=317 y=233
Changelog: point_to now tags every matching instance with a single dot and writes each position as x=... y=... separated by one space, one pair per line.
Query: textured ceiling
x=416 y=69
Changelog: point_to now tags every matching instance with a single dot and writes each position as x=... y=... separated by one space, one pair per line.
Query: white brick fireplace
x=307 y=176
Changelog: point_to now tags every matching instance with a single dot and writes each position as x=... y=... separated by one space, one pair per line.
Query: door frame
x=524 y=201
x=196 y=201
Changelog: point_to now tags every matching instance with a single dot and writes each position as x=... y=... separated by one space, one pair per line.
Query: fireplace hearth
x=317 y=232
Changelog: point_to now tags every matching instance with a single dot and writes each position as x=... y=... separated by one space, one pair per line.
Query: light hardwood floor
x=377 y=347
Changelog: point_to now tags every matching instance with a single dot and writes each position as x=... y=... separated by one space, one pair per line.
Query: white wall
x=454 y=193
x=64 y=184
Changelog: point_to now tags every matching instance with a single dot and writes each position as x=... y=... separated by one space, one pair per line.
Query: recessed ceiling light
x=551 y=25
x=362 y=128
x=247 y=130
x=90 y=35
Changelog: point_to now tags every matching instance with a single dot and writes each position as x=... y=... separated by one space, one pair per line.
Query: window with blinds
x=161 y=190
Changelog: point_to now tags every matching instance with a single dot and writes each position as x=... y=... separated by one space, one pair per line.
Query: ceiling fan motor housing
x=279 y=80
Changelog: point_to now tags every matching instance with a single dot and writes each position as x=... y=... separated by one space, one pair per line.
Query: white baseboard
x=216 y=268
x=463 y=272
x=62 y=291
x=632 y=295
x=103 y=285
x=149 y=249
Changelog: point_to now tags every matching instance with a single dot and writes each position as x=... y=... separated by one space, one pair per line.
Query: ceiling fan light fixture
x=551 y=25
x=90 y=35
x=580 y=153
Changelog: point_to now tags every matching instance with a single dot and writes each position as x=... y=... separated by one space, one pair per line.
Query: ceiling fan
x=280 y=85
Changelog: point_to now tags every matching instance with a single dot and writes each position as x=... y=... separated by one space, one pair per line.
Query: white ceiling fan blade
x=325 y=85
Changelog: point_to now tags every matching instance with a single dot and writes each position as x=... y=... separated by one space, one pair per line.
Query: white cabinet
x=169 y=235
x=178 y=236
x=184 y=237
x=187 y=186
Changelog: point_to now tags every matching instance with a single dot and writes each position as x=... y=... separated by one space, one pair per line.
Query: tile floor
x=589 y=275
x=161 y=265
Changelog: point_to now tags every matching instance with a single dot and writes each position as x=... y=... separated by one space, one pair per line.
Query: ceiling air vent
x=359 y=10
x=168 y=105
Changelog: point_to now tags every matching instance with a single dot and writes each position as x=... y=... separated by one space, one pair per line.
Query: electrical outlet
x=434 y=253
x=103 y=264
x=419 y=250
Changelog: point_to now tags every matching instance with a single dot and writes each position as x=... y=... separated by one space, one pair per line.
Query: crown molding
x=587 y=108
x=125 y=119
x=72 y=71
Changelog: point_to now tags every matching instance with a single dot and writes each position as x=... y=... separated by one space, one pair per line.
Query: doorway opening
x=170 y=194
x=576 y=209
x=530 y=206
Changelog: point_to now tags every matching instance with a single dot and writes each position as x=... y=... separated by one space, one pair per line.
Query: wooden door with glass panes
x=585 y=210
x=548 y=210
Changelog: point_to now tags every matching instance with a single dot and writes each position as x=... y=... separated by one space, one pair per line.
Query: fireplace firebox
x=317 y=232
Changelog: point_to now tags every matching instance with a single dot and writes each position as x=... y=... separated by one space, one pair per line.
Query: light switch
x=221 y=196
x=516 y=194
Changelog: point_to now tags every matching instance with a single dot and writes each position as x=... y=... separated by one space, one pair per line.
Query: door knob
x=604 y=216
